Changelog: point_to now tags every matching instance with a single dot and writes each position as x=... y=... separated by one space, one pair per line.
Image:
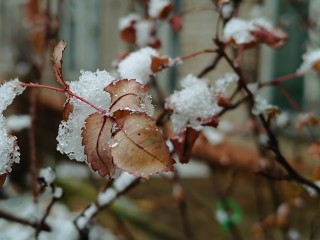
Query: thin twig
x=12 y=218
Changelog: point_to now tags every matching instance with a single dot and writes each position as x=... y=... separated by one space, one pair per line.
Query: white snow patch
x=156 y=7
x=309 y=60
x=90 y=86
x=9 y=150
x=138 y=65
x=194 y=103
x=16 y=123
x=48 y=175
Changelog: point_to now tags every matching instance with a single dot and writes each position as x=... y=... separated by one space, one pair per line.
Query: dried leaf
x=2 y=179
x=97 y=142
x=176 y=23
x=125 y=94
x=128 y=34
x=157 y=63
x=57 y=62
x=166 y=11
x=140 y=147
x=183 y=144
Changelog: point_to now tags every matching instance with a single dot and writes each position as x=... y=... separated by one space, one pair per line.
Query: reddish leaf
x=176 y=23
x=183 y=144
x=67 y=109
x=141 y=148
x=125 y=94
x=166 y=11
x=57 y=62
x=128 y=34
x=97 y=143
x=157 y=63
x=2 y=179
x=155 y=43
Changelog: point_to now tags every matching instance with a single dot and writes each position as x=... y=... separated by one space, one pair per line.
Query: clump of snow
x=214 y=136
x=156 y=7
x=90 y=86
x=227 y=10
x=60 y=221
x=48 y=175
x=123 y=181
x=223 y=84
x=193 y=104
x=260 y=104
x=293 y=234
x=57 y=193
x=128 y=20
x=310 y=190
x=9 y=150
x=107 y=196
x=83 y=220
x=138 y=65
x=141 y=28
x=242 y=31
x=311 y=61
x=143 y=32
x=16 y=123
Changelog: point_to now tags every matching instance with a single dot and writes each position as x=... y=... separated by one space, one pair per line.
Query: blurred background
x=221 y=169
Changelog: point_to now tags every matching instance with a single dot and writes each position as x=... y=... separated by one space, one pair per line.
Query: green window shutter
x=288 y=58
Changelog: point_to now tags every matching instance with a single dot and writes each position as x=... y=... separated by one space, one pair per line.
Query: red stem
x=280 y=80
x=191 y=55
x=66 y=91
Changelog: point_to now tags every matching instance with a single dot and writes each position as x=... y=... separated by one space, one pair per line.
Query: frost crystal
x=90 y=86
x=193 y=104
x=138 y=65
x=156 y=7
x=311 y=61
x=9 y=150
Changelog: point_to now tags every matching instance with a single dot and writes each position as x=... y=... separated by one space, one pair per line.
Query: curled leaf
x=125 y=94
x=183 y=143
x=140 y=147
x=2 y=179
x=157 y=63
x=97 y=143
x=57 y=62
x=128 y=34
x=314 y=150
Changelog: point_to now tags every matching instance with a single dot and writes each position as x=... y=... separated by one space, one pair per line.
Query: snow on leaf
x=183 y=143
x=159 y=8
x=97 y=141
x=141 y=148
x=57 y=62
x=125 y=94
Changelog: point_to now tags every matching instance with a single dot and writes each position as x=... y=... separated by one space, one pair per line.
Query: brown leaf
x=157 y=63
x=97 y=142
x=166 y=11
x=57 y=62
x=141 y=148
x=183 y=143
x=128 y=34
x=125 y=94
x=2 y=179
